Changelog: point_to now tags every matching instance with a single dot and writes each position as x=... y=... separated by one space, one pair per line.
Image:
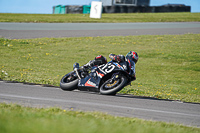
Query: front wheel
x=112 y=86
x=69 y=82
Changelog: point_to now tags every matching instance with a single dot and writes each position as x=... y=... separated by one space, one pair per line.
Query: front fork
x=76 y=71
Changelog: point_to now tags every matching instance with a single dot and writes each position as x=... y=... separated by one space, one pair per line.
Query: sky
x=46 y=6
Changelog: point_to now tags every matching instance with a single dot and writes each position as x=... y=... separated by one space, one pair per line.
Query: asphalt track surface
x=39 y=30
x=119 y=105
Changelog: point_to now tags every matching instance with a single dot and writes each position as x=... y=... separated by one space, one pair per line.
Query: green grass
x=168 y=66
x=106 y=18
x=18 y=119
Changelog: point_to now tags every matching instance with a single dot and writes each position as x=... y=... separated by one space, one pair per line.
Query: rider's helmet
x=133 y=56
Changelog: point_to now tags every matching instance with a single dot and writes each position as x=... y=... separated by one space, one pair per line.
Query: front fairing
x=92 y=80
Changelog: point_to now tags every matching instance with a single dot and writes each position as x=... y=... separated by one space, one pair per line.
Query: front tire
x=68 y=83
x=108 y=88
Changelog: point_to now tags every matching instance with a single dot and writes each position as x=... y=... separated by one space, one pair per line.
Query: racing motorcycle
x=108 y=79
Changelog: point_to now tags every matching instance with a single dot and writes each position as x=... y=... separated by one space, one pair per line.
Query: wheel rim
x=109 y=85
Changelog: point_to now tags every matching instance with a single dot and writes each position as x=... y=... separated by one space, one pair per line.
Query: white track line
x=99 y=104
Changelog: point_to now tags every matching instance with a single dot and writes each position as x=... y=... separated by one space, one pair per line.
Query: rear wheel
x=69 y=82
x=113 y=85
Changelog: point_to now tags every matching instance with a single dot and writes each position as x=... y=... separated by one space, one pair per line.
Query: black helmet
x=133 y=56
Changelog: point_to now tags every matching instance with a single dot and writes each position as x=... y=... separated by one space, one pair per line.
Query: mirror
x=76 y=65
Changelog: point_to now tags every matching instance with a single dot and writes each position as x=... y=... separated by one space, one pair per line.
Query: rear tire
x=68 y=85
x=115 y=87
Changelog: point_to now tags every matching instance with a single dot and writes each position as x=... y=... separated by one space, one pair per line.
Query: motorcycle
x=107 y=79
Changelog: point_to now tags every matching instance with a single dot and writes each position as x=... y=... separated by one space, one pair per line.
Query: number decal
x=107 y=68
x=110 y=68
x=95 y=8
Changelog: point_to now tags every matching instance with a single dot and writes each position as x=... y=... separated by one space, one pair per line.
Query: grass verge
x=106 y=18
x=15 y=118
x=168 y=66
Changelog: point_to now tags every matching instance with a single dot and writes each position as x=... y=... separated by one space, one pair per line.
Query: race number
x=107 y=68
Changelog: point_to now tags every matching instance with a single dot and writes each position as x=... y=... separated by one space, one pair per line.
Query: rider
x=131 y=57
